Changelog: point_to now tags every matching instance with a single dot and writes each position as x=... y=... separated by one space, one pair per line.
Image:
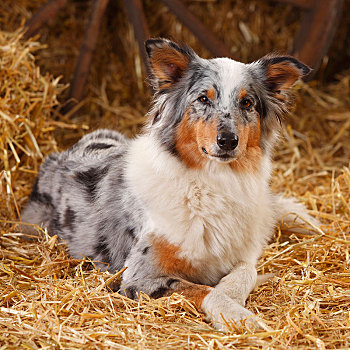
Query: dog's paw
x=226 y=314
x=237 y=320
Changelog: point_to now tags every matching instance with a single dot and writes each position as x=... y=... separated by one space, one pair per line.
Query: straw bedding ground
x=49 y=300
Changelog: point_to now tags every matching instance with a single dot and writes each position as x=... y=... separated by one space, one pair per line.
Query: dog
x=186 y=206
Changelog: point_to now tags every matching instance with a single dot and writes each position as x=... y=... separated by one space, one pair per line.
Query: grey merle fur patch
x=90 y=179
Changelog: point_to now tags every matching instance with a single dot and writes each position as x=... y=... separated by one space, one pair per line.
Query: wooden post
x=304 y=4
x=44 y=14
x=137 y=18
x=205 y=36
x=316 y=32
x=87 y=49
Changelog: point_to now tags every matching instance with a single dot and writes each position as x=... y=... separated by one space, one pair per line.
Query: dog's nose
x=227 y=141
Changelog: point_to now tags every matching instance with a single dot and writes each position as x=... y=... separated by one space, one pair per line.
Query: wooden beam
x=137 y=18
x=87 y=48
x=316 y=32
x=205 y=36
x=304 y=4
x=44 y=14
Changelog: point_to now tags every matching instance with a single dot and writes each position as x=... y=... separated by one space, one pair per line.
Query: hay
x=27 y=112
x=49 y=300
x=26 y=102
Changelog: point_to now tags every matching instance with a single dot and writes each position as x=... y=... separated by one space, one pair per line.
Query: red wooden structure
x=316 y=32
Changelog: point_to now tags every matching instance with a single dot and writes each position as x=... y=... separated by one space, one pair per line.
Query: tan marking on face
x=168 y=64
x=167 y=256
x=249 y=155
x=254 y=134
x=242 y=93
x=211 y=93
x=191 y=137
x=206 y=134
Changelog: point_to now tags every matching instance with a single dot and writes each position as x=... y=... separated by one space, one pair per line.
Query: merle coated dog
x=186 y=205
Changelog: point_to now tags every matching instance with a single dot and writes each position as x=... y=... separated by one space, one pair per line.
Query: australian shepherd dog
x=186 y=206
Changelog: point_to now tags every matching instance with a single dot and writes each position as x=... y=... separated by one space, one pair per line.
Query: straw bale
x=27 y=99
x=49 y=300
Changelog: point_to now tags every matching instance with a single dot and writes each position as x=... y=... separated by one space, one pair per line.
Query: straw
x=50 y=300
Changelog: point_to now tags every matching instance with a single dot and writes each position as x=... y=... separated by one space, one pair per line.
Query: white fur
x=231 y=74
x=217 y=217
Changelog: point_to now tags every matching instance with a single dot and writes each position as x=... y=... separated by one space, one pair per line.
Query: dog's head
x=218 y=109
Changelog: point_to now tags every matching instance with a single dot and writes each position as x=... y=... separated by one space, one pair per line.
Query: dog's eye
x=204 y=99
x=246 y=103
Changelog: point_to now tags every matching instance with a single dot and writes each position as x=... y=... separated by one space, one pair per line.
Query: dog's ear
x=281 y=72
x=168 y=61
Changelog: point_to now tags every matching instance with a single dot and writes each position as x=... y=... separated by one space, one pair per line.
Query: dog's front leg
x=218 y=307
x=158 y=274
x=156 y=270
x=239 y=282
x=236 y=286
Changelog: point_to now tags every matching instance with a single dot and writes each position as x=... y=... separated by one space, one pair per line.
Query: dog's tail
x=293 y=216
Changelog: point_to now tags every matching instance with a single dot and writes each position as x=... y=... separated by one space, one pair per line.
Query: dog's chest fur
x=216 y=217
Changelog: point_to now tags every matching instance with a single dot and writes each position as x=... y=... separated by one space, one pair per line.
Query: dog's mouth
x=224 y=158
x=221 y=157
